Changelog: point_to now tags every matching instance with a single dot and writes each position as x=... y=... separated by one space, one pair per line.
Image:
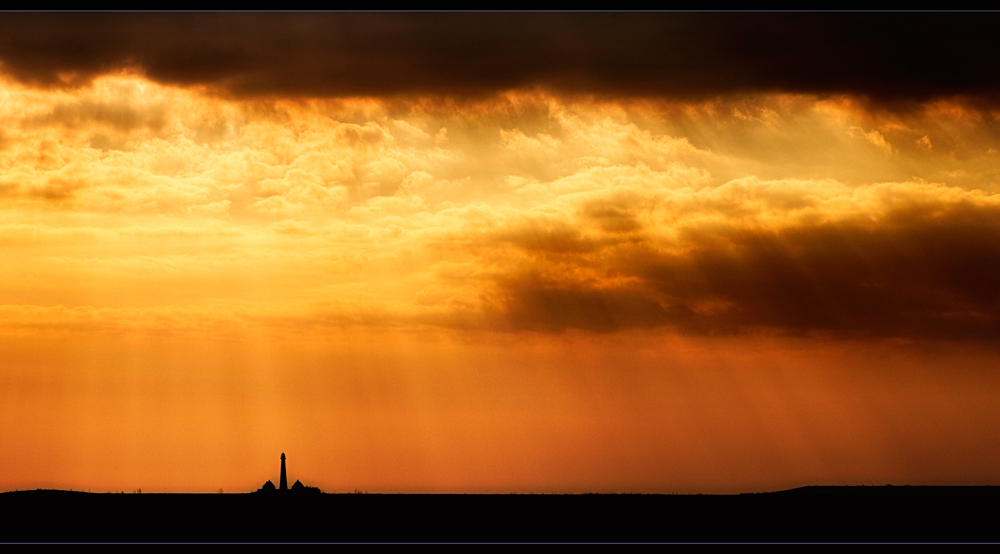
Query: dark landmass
x=808 y=514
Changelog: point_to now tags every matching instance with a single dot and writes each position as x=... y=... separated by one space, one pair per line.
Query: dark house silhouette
x=297 y=488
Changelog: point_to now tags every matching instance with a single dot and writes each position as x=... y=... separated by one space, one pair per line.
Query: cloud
x=902 y=56
x=905 y=260
x=536 y=305
x=120 y=116
x=879 y=141
x=774 y=214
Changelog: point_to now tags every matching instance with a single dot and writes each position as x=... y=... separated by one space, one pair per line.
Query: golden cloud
x=524 y=212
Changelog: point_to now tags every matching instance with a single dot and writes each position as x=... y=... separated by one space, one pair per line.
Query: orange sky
x=524 y=291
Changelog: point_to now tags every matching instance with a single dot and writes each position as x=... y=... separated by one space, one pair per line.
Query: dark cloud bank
x=924 y=272
x=886 y=57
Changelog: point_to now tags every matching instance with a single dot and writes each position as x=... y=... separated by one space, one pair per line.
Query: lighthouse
x=283 y=486
x=298 y=487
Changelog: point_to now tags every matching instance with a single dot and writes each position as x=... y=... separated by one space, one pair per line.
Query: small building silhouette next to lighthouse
x=298 y=487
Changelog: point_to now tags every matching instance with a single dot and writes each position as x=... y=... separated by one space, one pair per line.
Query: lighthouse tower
x=283 y=486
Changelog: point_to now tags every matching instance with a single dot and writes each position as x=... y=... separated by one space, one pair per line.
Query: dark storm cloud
x=922 y=272
x=884 y=56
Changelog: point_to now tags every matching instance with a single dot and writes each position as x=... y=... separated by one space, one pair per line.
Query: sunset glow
x=531 y=289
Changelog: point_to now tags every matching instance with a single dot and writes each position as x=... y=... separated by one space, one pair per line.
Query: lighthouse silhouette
x=283 y=485
x=298 y=487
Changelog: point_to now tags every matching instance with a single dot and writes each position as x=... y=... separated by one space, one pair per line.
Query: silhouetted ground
x=809 y=514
